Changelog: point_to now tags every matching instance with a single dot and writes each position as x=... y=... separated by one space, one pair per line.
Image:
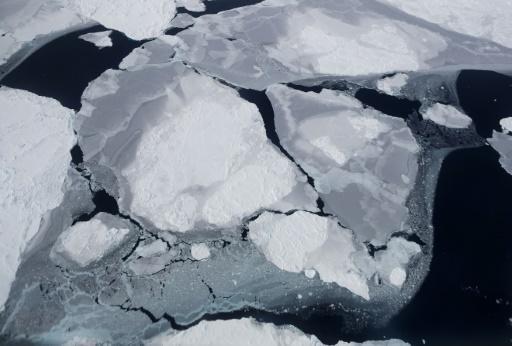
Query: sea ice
x=502 y=143
x=99 y=39
x=138 y=19
x=191 y=5
x=506 y=125
x=247 y=331
x=446 y=115
x=200 y=251
x=89 y=241
x=35 y=139
x=364 y=163
x=392 y=85
x=390 y=263
x=186 y=149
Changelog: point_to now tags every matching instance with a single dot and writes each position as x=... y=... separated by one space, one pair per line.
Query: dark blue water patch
x=466 y=297
x=485 y=96
x=387 y=104
x=104 y=203
x=63 y=68
x=216 y=6
x=77 y=156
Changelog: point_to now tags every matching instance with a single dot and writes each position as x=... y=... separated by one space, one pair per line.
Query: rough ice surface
x=23 y=20
x=35 y=139
x=305 y=241
x=364 y=163
x=99 y=39
x=191 y=5
x=137 y=19
x=470 y=17
x=506 y=125
x=204 y=150
x=446 y=115
x=200 y=251
x=392 y=85
x=89 y=241
x=247 y=331
x=502 y=143
x=391 y=262
x=285 y=40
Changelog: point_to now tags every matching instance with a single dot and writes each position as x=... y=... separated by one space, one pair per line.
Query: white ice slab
x=35 y=139
x=99 y=39
x=191 y=5
x=506 y=125
x=502 y=143
x=393 y=85
x=200 y=251
x=446 y=115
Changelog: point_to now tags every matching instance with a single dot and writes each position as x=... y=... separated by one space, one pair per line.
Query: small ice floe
x=393 y=85
x=99 y=39
x=446 y=115
x=200 y=251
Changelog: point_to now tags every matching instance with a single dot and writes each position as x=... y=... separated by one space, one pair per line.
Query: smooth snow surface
x=248 y=332
x=23 y=20
x=187 y=150
x=35 y=139
x=392 y=85
x=502 y=143
x=446 y=115
x=89 y=241
x=200 y=251
x=364 y=163
x=305 y=241
x=138 y=19
x=506 y=125
x=99 y=39
x=488 y=20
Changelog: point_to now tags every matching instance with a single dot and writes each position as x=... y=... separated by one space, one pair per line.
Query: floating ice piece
x=393 y=85
x=99 y=39
x=247 y=331
x=35 y=139
x=89 y=241
x=191 y=5
x=446 y=115
x=506 y=125
x=391 y=262
x=138 y=19
x=470 y=17
x=154 y=52
x=187 y=150
x=154 y=248
x=364 y=163
x=23 y=20
x=200 y=251
x=502 y=143
x=305 y=241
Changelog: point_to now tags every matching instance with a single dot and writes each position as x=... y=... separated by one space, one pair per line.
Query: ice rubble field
x=217 y=206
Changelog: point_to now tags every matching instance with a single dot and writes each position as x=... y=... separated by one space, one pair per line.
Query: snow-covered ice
x=446 y=115
x=488 y=20
x=99 y=39
x=506 y=124
x=200 y=251
x=89 y=241
x=191 y=5
x=393 y=85
x=502 y=143
x=35 y=139
x=247 y=331
x=138 y=19
x=153 y=248
x=202 y=149
x=364 y=163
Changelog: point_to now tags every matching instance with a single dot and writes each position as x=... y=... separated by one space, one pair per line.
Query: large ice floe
x=203 y=150
x=446 y=115
x=285 y=40
x=245 y=332
x=363 y=162
x=35 y=139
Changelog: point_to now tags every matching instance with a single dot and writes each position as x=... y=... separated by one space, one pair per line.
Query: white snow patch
x=471 y=17
x=35 y=139
x=99 y=39
x=446 y=115
x=502 y=143
x=397 y=276
x=200 y=251
x=89 y=241
x=305 y=241
x=248 y=332
x=394 y=84
x=310 y=273
x=389 y=263
x=138 y=19
x=191 y=5
x=506 y=125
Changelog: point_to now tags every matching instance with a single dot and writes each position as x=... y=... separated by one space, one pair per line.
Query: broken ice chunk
x=191 y=5
x=99 y=39
x=506 y=125
x=153 y=248
x=305 y=241
x=35 y=139
x=137 y=19
x=200 y=251
x=89 y=241
x=392 y=85
x=364 y=163
x=502 y=143
x=247 y=331
x=446 y=115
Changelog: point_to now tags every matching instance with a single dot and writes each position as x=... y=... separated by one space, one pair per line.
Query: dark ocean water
x=465 y=298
